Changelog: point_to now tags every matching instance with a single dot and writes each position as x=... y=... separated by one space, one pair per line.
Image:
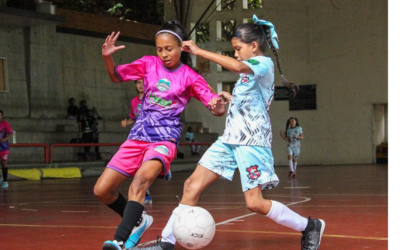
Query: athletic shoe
x=168 y=176
x=290 y=174
x=311 y=238
x=157 y=246
x=5 y=185
x=148 y=199
x=294 y=175
x=143 y=224
x=112 y=245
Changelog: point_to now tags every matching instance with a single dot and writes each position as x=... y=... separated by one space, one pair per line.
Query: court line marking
x=74 y=211
x=219 y=230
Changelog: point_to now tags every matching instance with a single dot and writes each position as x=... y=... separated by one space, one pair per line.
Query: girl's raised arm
x=107 y=50
x=227 y=62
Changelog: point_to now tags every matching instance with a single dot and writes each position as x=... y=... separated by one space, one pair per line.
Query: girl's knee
x=190 y=187
x=289 y=157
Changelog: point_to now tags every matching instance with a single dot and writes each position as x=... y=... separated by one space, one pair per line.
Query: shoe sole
x=139 y=238
x=109 y=246
x=322 y=232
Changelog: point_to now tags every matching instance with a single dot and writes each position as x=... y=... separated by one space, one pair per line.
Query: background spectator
x=5 y=134
x=73 y=110
x=190 y=138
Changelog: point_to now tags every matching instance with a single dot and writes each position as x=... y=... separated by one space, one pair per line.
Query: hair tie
x=171 y=32
x=271 y=27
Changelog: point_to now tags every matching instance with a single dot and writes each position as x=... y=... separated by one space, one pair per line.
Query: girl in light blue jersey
x=293 y=135
x=246 y=142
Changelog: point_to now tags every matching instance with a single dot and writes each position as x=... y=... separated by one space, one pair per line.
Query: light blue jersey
x=246 y=142
x=247 y=121
x=290 y=133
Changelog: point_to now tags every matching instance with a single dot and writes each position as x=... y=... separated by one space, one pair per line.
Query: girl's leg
x=146 y=174
x=4 y=171
x=294 y=165
x=106 y=190
x=194 y=185
x=274 y=210
x=290 y=165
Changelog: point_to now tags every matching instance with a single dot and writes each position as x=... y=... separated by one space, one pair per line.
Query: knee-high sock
x=5 y=174
x=294 y=166
x=168 y=232
x=133 y=212
x=281 y=214
x=291 y=165
x=119 y=205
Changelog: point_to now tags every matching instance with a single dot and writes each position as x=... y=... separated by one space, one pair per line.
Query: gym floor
x=64 y=214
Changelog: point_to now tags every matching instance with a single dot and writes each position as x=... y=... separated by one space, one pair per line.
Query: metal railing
x=30 y=145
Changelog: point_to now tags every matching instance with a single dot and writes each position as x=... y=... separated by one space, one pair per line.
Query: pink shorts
x=4 y=155
x=132 y=154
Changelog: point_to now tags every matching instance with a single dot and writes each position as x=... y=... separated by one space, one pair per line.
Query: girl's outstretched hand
x=225 y=97
x=190 y=47
x=109 y=45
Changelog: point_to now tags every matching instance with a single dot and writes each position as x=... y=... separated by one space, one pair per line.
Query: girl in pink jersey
x=169 y=83
x=5 y=134
x=136 y=105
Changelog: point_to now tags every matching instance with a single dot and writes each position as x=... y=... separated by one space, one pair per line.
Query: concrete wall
x=343 y=50
x=46 y=67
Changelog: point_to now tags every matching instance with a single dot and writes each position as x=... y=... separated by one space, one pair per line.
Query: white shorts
x=294 y=151
x=255 y=163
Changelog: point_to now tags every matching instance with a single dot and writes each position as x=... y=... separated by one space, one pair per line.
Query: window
x=3 y=75
x=252 y=4
x=230 y=53
x=201 y=33
x=225 y=30
x=226 y=5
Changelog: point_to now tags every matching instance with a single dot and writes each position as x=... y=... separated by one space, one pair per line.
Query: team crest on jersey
x=244 y=79
x=163 y=85
x=162 y=150
x=253 y=62
x=254 y=174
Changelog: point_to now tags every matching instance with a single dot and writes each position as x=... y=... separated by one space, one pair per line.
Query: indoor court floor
x=64 y=214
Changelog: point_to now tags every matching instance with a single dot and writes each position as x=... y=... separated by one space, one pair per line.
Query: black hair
x=1 y=111
x=176 y=27
x=70 y=99
x=250 y=32
x=288 y=123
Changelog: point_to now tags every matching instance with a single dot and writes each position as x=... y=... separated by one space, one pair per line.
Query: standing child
x=190 y=138
x=136 y=106
x=5 y=134
x=246 y=142
x=169 y=83
x=293 y=135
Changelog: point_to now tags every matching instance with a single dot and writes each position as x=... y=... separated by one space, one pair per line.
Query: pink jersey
x=136 y=106
x=166 y=93
x=5 y=130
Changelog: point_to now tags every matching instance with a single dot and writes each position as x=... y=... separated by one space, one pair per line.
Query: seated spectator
x=73 y=110
x=190 y=138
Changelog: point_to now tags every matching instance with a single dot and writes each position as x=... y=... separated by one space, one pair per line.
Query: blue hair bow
x=271 y=27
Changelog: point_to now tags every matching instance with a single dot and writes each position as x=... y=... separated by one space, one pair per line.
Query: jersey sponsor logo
x=253 y=62
x=254 y=174
x=156 y=100
x=139 y=107
x=163 y=85
x=162 y=150
x=244 y=79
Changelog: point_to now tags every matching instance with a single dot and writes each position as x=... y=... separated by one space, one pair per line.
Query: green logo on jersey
x=156 y=100
x=253 y=62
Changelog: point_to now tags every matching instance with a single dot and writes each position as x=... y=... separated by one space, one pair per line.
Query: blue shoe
x=112 y=245
x=168 y=176
x=148 y=199
x=137 y=232
x=5 y=185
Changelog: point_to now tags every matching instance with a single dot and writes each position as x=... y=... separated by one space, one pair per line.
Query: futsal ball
x=194 y=228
